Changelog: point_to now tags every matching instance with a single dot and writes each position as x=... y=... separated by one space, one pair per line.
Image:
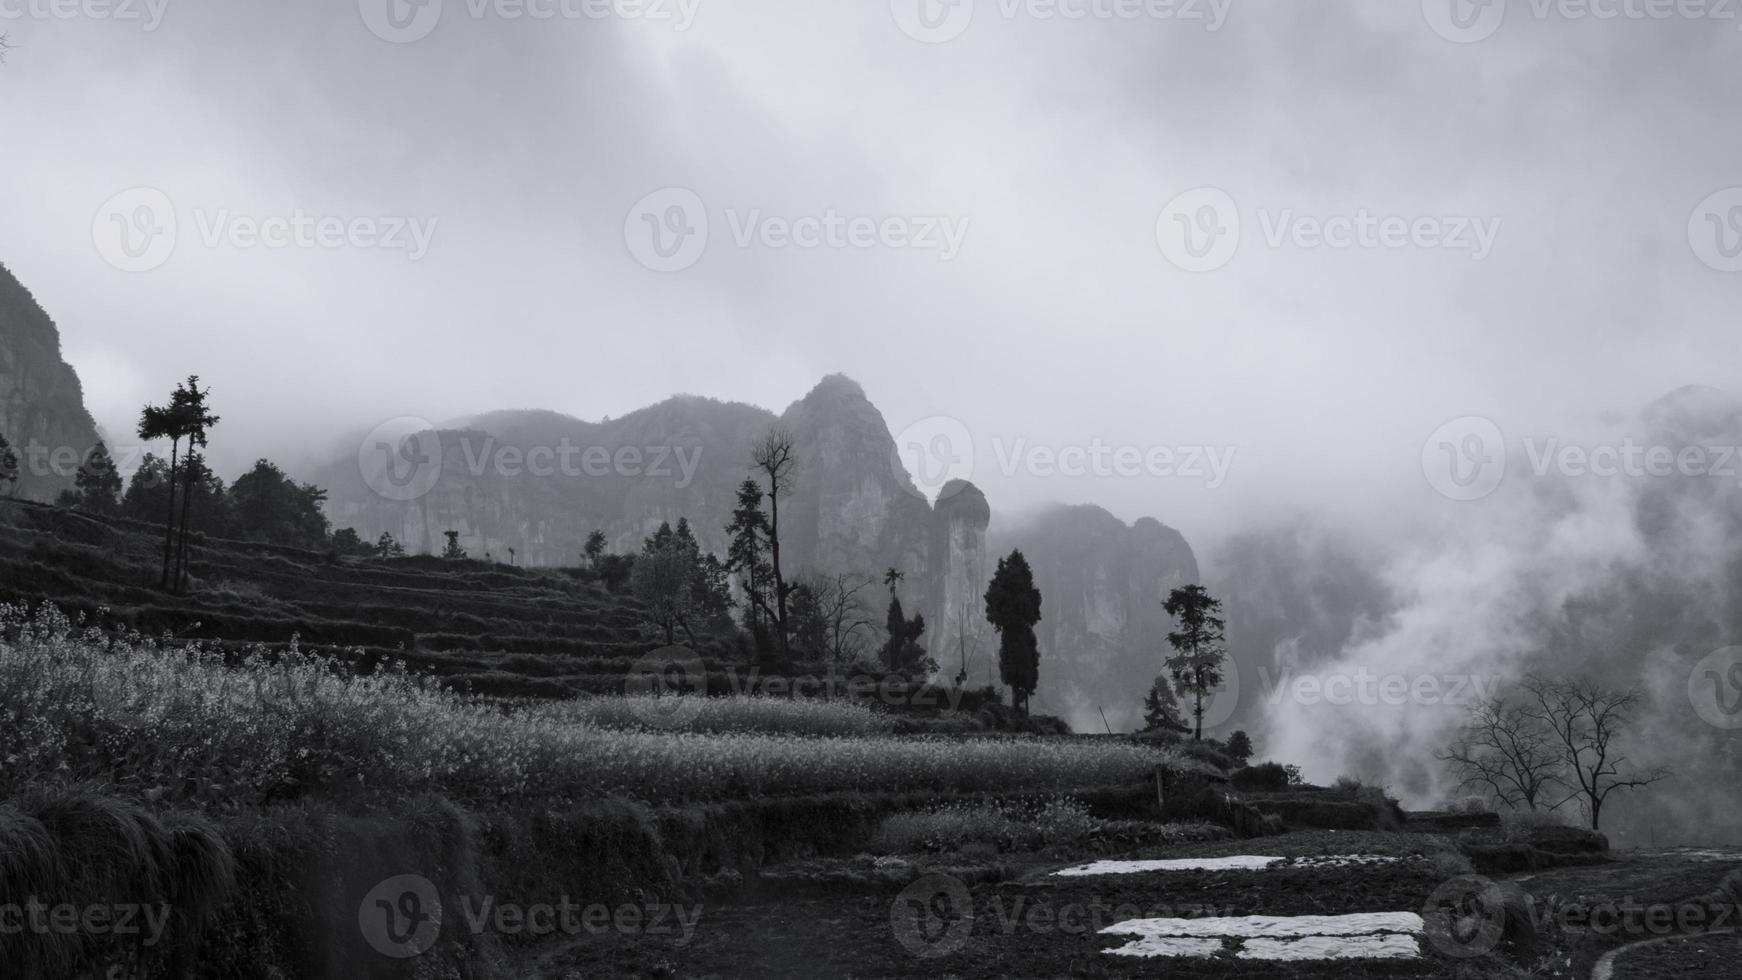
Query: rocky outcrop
x=42 y=406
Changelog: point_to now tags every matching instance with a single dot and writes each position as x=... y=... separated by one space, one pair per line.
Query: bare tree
x=963 y=620
x=1584 y=719
x=777 y=459
x=848 y=623
x=1508 y=751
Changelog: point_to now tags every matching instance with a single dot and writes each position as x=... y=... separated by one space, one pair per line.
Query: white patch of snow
x=1392 y=947
x=1158 y=946
x=1241 y=862
x=1270 y=926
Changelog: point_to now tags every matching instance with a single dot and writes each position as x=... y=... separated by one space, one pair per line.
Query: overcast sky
x=1054 y=151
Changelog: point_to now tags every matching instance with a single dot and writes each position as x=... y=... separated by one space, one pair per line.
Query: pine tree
x=97 y=483
x=1161 y=709
x=1013 y=607
x=746 y=557
x=1198 y=652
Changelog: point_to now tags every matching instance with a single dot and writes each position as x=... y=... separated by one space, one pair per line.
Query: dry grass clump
x=73 y=848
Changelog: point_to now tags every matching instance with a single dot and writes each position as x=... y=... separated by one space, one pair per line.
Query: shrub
x=1013 y=827
x=1266 y=776
x=1208 y=754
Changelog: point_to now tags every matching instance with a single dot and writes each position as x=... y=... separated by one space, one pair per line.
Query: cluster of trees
x=1552 y=743
x=687 y=590
x=263 y=504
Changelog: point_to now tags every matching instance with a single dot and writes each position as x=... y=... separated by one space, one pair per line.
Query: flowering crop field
x=740 y=714
x=182 y=723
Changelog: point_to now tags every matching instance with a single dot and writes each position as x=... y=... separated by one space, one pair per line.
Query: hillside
x=490 y=628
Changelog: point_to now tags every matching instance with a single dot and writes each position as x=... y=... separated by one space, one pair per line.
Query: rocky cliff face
x=1103 y=633
x=42 y=406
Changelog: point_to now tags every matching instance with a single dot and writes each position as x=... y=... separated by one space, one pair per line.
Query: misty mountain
x=1631 y=579
x=42 y=406
x=854 y=509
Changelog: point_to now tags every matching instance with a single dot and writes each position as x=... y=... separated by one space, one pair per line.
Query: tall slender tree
x=159 y=422
x=745 y=557
x=1013 y=607
x=776 y=456
x=195 y=419
x=1198 y=647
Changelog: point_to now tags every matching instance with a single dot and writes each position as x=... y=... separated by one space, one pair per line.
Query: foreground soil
x=1026 y=923
x=1033 y=925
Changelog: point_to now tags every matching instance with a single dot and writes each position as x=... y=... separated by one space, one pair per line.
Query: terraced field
x=495 y=629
